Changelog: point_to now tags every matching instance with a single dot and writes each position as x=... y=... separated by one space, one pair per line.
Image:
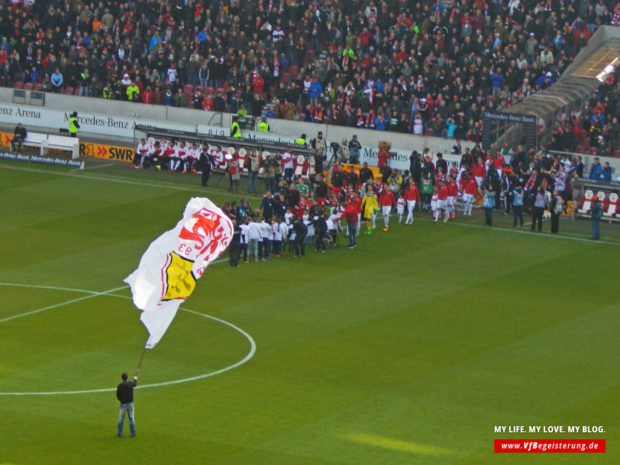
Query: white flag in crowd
x=170 y=267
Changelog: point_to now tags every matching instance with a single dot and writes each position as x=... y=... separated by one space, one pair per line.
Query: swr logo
x=119 y=153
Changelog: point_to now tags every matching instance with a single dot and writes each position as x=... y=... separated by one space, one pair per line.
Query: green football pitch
x=410 y=349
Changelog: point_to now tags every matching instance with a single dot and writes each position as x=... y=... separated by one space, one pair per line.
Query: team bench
x=47 y=142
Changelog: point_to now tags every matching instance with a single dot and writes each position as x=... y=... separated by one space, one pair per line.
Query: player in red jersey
x=386 y=201
x=469 y=194
x=442 y=201
x=479 y=172
x=412 y=196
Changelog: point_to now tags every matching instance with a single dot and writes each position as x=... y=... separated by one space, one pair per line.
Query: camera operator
x=320 y=151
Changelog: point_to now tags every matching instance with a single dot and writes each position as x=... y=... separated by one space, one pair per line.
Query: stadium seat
x=76 y=91
x=243 y=158
x=188 y=90
x=18 y=85
x=38 y=86
x=299 y=165
x=285 y=78
x=198 y=88
x=311 y=166
x=586 y=202
x=612 y=206
x=68 y=90
x=28 y=86
x=293 y=71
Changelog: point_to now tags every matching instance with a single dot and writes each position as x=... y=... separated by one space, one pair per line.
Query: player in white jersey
x=400 y=208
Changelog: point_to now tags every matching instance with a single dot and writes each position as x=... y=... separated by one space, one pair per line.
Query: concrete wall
x=192 y=118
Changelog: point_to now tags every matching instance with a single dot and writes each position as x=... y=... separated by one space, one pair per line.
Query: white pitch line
x=79 y=175
x=53 y=288
x=96 y=167
x=51 y=307
x=90 y=295
x=244 y=360
x=207 y=189
x=525 y=232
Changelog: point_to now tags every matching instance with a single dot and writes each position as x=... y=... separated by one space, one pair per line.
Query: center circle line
x=237 y=364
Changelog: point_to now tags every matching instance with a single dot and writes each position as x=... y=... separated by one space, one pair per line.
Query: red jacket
x=350 y=213
x=499 y=161
x=442 y=193
x=479 y=170
x=387 y=199
x=412 y=193
x=453 y=189
x=471 y=187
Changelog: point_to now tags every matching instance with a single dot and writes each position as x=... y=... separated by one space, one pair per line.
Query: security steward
x=263 y=126
x=301 y=140
x=73 y=124
x=235 y=129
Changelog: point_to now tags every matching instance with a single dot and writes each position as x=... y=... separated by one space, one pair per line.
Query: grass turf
x=407 y=350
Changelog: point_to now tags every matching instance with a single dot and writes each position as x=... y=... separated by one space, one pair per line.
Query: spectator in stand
x=372 y=60
x=596 y=170
x=57 y=80
x=606 y=172
x=314 y=91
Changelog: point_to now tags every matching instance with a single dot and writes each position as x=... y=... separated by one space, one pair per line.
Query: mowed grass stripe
x=465 y=400
x=420 y=340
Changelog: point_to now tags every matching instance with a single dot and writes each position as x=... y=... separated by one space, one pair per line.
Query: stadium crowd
x=595 y=129
x=429 y=67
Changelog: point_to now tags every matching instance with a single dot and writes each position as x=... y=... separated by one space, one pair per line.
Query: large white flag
x=168 y=270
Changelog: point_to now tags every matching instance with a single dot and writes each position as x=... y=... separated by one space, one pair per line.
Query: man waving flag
x=168 y=270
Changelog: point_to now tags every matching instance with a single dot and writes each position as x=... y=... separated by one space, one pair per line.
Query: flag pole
x=140 y=362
